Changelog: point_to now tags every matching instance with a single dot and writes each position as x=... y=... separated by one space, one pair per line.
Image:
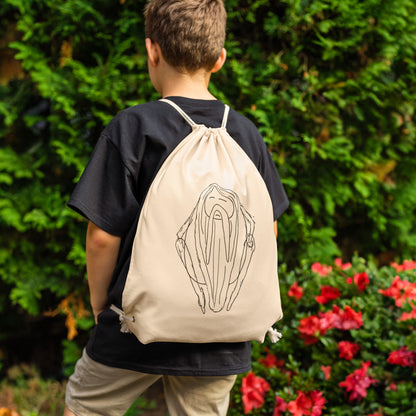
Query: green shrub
x=27 y=394
x=331 y=84
x=348 y=345
x=23 y=392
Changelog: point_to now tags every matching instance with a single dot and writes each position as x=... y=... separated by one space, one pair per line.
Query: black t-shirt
x=111 y=192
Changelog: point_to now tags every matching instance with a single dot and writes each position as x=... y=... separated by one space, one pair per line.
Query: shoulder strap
x=225 y=117
x=180 y=111
x=189 y=120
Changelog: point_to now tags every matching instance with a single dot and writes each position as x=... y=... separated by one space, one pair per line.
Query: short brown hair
x=190 y=33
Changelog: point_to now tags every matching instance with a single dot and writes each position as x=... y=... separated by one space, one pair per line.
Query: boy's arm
x=275 y=228
x=102 y=252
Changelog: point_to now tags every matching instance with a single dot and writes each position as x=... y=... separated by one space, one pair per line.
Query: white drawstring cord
x=274 y=335
x=123 y=318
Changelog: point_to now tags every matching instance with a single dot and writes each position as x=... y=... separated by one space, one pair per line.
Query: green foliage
x=23 y=389
x=312 y=332
x=80 y=66
x=26 y=391
x=330 y=84
x=71 y=354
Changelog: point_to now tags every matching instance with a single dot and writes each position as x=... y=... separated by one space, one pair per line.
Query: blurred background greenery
x=330 y=84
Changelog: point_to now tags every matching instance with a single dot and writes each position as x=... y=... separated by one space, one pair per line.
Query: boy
x=184 y=43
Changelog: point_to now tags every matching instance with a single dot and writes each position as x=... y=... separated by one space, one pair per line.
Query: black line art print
x=216 y=244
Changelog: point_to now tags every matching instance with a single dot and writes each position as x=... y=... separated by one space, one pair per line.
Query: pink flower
x=403 y=357
x=328 y=293
x=326 y=369
x=321 y=269
x=408 y=315
x=301 y=405
x=310 y=326
x=318 y=401
x=279 y=406
x=328 y=319
x=271 y=361
x=307 y=404
x=295 y=291
x=347 y=318
x=254 y=389
x=345 y=266
x=361 y=280
x=347 y=349
x=340 y=319
x=310 y=329
x=375 y=414
x=407 y=265
x=358 y=382
x=401 y=291
x=392 y=386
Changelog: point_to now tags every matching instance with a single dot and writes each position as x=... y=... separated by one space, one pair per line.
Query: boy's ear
x=153 y=52
x=220 y=61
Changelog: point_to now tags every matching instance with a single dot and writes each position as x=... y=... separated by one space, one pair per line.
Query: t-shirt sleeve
x=274 y=185
x=105 y=191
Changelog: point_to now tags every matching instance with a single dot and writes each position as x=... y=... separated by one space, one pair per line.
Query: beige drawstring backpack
x=204 y=259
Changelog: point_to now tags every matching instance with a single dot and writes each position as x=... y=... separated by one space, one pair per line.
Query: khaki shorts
x=96 y=389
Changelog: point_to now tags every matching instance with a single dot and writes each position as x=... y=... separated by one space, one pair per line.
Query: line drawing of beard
x=215 y=245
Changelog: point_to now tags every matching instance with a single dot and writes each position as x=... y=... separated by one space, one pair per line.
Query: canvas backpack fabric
x=204 y=259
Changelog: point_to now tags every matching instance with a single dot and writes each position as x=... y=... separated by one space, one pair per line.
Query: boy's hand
x=96 y=313
x=102 y=252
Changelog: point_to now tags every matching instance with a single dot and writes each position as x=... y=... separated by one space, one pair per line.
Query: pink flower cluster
x=328 y=293
x=408 y=315
x=347 y=349
x=356 y=383
x=254 y=389
x=312 y=327
x=343 y=266
x=401 y=291
x=271 y=361
x=295 y=291
x=403 y=357
x=323 y=269
x=361 y=280
x=407 y=265
x=308 y=404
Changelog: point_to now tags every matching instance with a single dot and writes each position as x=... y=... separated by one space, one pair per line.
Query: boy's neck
x=184 y=84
